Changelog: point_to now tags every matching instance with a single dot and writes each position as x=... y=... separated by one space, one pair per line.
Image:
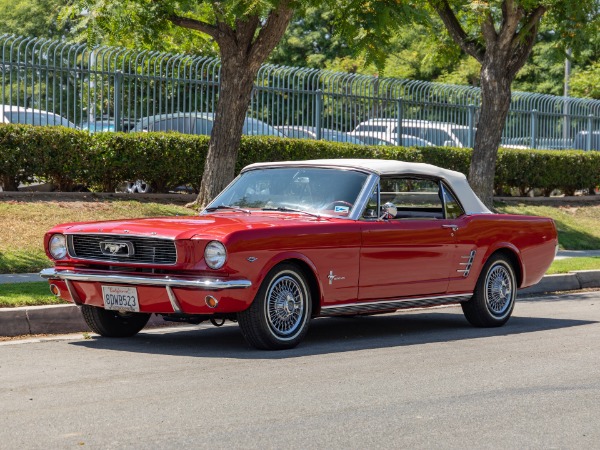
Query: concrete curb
x=61 y=319
x=50 y=319
x=572 y=281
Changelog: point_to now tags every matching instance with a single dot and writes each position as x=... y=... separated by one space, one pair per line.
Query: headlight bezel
x=53 y=245
x=215 y=255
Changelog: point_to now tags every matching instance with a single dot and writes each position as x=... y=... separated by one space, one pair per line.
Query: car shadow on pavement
x=326 y=335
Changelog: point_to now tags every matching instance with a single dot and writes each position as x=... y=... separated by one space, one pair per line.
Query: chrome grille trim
x=393 y=305
x=148 y=250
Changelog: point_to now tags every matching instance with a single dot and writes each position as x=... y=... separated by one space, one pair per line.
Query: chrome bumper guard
x=209 y=284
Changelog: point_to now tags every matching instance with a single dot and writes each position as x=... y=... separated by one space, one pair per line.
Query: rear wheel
x=113 y=323
x=494 y=296
x=278 y=317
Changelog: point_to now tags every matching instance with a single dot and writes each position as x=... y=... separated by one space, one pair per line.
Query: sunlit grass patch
x=27 y=294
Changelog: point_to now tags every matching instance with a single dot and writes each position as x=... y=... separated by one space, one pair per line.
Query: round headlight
x=215 y=255
x=58 y=246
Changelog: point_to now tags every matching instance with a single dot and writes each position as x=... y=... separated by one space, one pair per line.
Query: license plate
x=120 y=298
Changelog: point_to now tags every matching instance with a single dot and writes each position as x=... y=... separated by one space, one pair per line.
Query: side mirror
x=389 y=211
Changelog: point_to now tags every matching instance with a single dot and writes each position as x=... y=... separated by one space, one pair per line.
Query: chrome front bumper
x=209 y=284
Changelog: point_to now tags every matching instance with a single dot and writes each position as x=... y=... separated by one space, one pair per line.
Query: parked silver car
x=30 y=116
x=301 y=132
x=436 y=133
x=199 y=123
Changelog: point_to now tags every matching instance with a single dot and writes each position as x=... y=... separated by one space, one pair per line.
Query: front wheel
x=113 y=323
x=494 y=296
x=278 y=317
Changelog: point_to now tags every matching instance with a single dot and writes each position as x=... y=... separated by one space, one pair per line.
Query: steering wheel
x=332 y=204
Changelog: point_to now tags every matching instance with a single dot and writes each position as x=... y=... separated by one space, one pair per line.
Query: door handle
x=453 y=227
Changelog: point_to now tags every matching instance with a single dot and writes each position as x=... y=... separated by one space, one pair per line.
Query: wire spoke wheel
x=278 y=317
x=285 y=306
x=499 y=289
x=495 y=294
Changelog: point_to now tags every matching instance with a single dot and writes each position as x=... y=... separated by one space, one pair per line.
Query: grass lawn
x=23 y=224
x=578 y=225
x=569 y=264
x=27 y=294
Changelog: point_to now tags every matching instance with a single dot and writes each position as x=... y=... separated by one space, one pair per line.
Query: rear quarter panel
x=532 y=240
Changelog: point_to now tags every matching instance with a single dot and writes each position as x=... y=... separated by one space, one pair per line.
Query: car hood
x=210 y=226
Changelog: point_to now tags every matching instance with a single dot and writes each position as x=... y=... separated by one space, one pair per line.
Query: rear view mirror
x=389 y=211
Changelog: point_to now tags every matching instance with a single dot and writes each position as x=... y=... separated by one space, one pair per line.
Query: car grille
x=146 y=250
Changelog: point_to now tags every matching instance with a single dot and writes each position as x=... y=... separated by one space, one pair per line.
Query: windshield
x=322 y=191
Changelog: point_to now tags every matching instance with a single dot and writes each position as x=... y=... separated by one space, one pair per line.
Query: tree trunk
x=495 y=103
x=236 y=83
x=243 y=48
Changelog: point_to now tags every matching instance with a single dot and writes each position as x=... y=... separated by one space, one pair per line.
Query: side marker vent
x=467 y=265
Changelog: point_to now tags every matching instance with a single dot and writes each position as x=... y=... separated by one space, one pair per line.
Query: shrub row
x=70 y=158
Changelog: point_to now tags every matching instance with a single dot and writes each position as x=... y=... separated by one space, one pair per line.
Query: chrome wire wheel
x=279 y=316
x=499 y=289
x=495 y=293
x=285 y=306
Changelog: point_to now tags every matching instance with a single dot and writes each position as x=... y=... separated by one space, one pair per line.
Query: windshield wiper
x=285 y=209
x=233 y=208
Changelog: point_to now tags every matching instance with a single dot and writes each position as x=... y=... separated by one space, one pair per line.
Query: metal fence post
x=117 y=100
x=399 y=121
x=319 y=113
x=590 y=127
x=471 y=126
x=534 y=125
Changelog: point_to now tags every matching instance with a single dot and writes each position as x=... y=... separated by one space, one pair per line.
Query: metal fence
x=106 y=89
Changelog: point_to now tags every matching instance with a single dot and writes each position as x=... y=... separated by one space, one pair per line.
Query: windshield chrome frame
x=357 y=209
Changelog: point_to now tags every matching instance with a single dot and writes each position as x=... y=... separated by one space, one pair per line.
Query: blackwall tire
x=113 y=323
x=494 y=296
x=279 y=316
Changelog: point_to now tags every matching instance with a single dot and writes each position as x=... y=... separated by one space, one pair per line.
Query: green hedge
x=70 y=158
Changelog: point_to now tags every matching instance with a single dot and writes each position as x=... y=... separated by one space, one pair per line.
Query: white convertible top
x=456 y=180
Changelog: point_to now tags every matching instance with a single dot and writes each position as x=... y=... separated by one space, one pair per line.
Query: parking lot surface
x=419 y=379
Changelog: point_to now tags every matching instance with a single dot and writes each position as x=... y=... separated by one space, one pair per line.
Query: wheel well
x=313 y=285
x=514 y=260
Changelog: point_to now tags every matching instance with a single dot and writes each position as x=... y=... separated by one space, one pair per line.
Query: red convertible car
x=289 y=241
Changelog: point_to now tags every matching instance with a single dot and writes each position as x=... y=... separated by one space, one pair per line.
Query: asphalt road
x=414 y=380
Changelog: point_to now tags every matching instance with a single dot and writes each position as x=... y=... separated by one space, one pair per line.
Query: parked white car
x=407 y=141
x=30 y=116
x=437 y=133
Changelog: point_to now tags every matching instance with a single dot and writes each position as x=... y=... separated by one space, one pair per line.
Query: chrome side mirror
x=389 y=211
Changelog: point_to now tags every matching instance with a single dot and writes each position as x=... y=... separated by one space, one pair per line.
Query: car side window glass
x=415 y=198
x=452 y=208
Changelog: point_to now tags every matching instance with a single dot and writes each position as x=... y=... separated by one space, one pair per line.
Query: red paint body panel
x=405 y=258
x=369 y=260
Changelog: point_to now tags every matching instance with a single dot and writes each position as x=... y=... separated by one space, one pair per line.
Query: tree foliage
x=245 y=33
x=311 y=40
x=500 y=35
x=39 y=18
